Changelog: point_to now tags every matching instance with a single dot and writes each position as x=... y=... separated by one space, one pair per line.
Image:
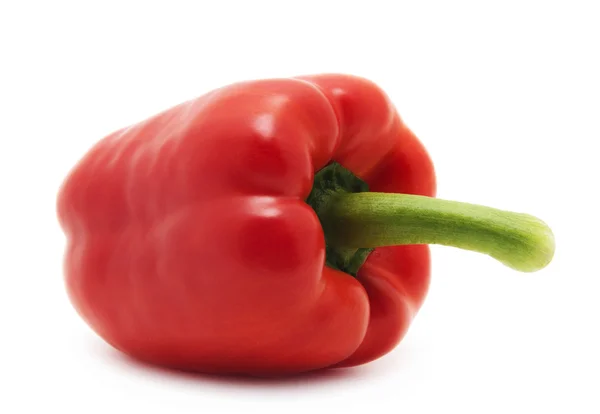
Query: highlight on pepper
x=268 y=227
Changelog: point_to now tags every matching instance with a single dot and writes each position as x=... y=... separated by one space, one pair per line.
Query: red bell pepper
x=268 y=227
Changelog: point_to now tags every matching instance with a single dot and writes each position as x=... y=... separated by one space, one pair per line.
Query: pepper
x=268 y=227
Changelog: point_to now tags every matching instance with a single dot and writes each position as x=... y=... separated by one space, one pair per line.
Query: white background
x=505 y=97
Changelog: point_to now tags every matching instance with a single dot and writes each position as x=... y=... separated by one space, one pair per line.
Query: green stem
x=368 y=220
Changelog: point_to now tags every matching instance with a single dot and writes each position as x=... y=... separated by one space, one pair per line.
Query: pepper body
x=190 y=243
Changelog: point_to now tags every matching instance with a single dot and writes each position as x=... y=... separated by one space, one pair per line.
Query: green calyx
x=355 y=221
x=329 y=183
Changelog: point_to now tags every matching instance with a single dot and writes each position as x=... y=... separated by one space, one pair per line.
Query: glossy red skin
x=190 y=245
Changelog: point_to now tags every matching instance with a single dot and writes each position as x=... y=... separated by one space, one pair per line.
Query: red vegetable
x=244 y=231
